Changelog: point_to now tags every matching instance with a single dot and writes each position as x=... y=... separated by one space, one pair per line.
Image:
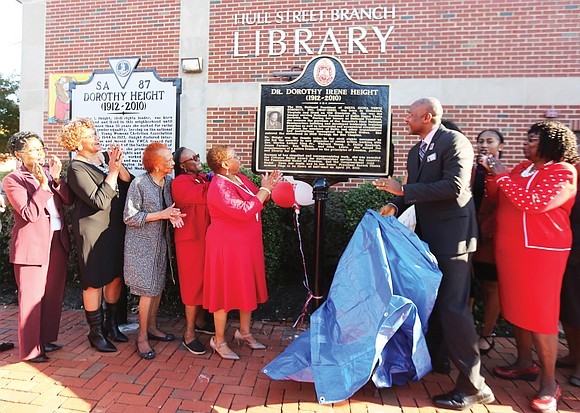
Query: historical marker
x=131 y=107
x=324 y=124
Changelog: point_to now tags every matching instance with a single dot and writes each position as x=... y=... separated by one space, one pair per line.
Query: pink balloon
x=283 y=194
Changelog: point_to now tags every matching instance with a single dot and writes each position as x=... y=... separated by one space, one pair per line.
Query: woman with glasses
x=100 y=182
x=532 y=244
x=189 y=190
x=235 y=276
x=39 y=245
x=148 y=211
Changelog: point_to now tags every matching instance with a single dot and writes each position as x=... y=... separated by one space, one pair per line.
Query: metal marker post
x=320 y=195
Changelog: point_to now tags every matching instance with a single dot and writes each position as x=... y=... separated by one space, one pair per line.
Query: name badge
x=432 y=157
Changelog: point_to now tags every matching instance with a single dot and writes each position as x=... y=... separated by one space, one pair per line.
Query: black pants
x=452 y=322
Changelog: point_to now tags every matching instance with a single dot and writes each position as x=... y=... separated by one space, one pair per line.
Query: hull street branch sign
x=324 y=123
x=131 y=107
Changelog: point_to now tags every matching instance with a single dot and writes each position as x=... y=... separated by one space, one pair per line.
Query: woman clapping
x=100 y=182
x=39 y=244
x=235 y=276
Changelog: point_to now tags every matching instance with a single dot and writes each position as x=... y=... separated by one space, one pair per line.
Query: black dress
x=97 y=223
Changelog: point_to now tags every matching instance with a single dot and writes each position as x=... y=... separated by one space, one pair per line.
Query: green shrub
x=284 y=266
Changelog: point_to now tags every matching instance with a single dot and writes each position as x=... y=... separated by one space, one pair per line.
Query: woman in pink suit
x=189 y=191
x=532 y=245
x=235 y=276
x=39 y=245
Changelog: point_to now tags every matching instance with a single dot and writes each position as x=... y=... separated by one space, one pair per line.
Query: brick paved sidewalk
x=78 y=379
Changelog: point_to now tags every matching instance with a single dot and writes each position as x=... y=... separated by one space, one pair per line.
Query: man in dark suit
x=438 y=184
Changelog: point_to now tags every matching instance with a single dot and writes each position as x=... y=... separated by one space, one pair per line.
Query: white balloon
x=303 y=193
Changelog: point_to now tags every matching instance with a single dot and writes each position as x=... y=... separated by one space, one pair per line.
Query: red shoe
x=509 y=373
x=546 y=403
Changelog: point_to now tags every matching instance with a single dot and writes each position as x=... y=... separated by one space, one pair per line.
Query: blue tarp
x=374 y=321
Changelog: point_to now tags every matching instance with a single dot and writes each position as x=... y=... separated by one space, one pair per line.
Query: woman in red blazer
x=39 y=245
x=189 y=192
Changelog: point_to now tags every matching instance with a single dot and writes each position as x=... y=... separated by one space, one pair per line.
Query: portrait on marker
x=274 y=118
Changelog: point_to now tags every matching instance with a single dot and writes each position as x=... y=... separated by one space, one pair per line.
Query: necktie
x=422 y=150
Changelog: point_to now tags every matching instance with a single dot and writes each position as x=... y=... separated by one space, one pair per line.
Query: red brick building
x=495 y=64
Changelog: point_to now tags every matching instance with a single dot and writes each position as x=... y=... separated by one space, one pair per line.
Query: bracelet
x=266 y=189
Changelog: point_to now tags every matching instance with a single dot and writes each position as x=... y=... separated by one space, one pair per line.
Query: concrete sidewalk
x=78 y=379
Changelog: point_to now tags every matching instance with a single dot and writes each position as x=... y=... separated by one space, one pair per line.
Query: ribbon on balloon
x=294 y=194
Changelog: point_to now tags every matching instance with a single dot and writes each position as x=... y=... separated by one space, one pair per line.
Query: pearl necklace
x=531 y=170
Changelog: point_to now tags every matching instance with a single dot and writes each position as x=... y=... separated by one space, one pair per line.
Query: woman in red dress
x=189 y=191
x=533 y=240
x=235 y=276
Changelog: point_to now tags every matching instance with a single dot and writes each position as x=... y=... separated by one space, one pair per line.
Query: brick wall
x=235 y=127
x=82 y=35
x=450 y=39
x=442 y=39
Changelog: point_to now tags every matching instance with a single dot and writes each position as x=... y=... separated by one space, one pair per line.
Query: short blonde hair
x=72 y=133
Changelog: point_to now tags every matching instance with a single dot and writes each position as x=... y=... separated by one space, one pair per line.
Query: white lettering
x=374 y=13
x=330 y=35
x=237 y=45
x=356 y=40
x=279 y=17
x=299 y=42
x=383 y=39
x=257 y=42
x=279 y=42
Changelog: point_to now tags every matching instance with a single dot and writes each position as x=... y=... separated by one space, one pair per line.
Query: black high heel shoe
x=489 y=341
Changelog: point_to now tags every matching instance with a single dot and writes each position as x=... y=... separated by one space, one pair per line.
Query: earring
x=227 y=171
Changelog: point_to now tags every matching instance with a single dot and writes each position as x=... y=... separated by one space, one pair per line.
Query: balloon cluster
x=292 y=194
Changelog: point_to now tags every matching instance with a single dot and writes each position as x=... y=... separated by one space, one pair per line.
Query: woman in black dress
x=100 y=182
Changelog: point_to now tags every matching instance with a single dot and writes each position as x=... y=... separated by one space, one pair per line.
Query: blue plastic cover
x=374 y=321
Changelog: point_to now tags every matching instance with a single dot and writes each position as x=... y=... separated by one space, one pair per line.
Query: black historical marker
x=324 y=124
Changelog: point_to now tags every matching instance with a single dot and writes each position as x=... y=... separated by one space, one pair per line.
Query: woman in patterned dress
x=533 y=241
x=148 y=208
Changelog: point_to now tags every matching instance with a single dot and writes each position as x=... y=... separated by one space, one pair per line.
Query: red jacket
x=30 y=240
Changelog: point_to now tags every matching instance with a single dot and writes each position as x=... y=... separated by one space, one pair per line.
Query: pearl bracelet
x=266 y=189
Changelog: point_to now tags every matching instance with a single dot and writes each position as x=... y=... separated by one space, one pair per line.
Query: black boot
x=96 y=336
x=112 y=324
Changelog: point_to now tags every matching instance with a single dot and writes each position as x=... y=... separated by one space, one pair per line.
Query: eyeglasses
x=92 y=137
x=531 y=139
x=36 y=150
x=233 y=157
x=193 y=158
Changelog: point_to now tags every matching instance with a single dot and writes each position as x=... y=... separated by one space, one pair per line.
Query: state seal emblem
x=324 y=72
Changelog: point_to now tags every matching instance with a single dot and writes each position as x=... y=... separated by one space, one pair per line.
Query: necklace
x=529 y=171
x=240 y=184
x=103 y=167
